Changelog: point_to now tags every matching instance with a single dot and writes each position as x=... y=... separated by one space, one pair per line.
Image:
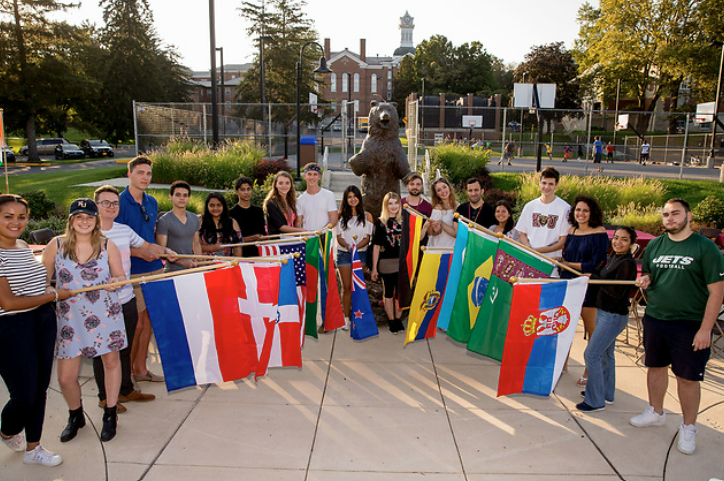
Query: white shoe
x=687 y=438
x=40 y=455
x=346 y=324
x=16 y=443
x=648 y=418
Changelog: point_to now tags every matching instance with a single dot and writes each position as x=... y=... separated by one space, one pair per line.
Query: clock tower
x=407 y=25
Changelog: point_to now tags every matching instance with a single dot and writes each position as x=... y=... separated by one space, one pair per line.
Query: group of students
x=115 y=236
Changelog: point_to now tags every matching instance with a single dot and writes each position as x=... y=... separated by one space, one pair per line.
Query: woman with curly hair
x=91 y=323
x=440 y=229
x=218 y=228
x=280 y=205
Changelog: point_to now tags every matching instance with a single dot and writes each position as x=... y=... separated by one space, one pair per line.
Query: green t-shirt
x=680 y=272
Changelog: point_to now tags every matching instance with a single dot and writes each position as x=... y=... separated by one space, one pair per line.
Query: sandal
x=582 y=381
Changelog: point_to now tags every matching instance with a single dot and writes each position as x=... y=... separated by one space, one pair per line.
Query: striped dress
x=24 y=273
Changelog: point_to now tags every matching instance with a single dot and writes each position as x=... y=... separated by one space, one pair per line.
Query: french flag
x=541 y=327
x=207 y=324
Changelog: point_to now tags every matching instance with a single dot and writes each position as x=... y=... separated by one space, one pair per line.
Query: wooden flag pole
x=437 y=249
x=591 y=281
x=515 y=243
x=261 y=243
x=228 y=258
x=155 y=277
x=413 y=211
x=310 y=233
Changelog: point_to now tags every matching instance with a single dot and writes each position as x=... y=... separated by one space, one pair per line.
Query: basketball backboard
x=472 y=121
x=705 y=112
x=529 y=96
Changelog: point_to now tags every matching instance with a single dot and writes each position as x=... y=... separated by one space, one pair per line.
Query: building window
x=373 y=83
x=389 y=86
x=227 y=91
x=333 y=82
x=389 y=96
x=345 y=82
x=389 y=75
x=356 y=82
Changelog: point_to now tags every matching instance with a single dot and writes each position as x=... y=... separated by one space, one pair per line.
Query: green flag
x=474 y=278
x=491 y=326
x=312 y=258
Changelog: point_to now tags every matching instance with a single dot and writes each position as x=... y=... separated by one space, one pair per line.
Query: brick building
x=201 y=82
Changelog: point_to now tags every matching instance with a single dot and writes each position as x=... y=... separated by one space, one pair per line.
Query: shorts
x=344 y=259
x=610 y=155
x=390 y=282
x=597 y=158
x=644 y=156
x=669 y=343
x=138 y=292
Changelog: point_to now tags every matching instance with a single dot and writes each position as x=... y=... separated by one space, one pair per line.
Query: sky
x=507 y=29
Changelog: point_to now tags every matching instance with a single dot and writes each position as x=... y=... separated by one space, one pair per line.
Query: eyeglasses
x=145 y=214
x=108 y=204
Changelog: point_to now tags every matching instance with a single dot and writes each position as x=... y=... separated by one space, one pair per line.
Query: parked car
x=96 y=148
x=45 y=146
x=68 y=151
x=9 y=154
x=514 y=125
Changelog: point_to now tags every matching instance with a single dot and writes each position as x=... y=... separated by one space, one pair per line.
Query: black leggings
x=130 y=318
x=27 y=346
x=389 y=282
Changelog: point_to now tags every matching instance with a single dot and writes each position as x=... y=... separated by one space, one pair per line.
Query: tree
x=286 y=29
x=37 y=68
x=647 y=44
x=404 y=83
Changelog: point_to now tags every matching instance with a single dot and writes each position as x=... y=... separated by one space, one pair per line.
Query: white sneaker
x=16 y=443
x=687 y=438
x=40 y=455
x=648 y=418
x=346 y=324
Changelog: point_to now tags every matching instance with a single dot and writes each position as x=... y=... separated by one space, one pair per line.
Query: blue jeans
x=600 y=360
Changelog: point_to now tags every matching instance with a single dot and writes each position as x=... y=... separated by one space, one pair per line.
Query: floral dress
x=91 y=323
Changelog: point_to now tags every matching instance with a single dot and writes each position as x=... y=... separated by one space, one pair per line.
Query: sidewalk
x=373 y=410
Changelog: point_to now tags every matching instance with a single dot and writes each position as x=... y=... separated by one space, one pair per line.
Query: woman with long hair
x=27 y=335
x=386 y=256
x=354 y=226
x=91 y=324
x=280 y=205
x=585 y=250
x=218 y=228
x=506 y=224
x=440 y=229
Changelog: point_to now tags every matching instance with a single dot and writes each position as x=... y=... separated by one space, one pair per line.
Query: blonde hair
x=436 y=200
x=70 y=242
x=291 y=198
x=385 y=215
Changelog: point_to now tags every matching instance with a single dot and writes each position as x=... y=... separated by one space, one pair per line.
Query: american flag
x=300 y=263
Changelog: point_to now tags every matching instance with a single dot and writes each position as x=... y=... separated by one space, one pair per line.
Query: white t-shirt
x=124 y=237
x=443 y=239
x=354 y=228
x=315 y=209
x=545 y=224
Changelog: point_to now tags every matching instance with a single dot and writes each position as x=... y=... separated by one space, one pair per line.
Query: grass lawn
x=693 y=191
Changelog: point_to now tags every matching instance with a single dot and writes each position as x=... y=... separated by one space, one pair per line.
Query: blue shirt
x=131 y=214
x=598 y=145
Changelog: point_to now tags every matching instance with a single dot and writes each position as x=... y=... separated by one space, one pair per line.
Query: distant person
x=218 y=228
x=508 y=153
x=645 y=151
x=440 y=229
x=549 y=152
x=609 y=153
x=179 y=229
x=580 y=153
x=250 y=218
x=280 y=206
x=476 y=209
x=598 y=153
x=567 y=153
x=316 y=206
x=414 y=195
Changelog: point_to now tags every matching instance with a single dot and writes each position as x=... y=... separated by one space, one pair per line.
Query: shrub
x=710 y=211
x=646 y=219
x=267 y=167
x=458 y=163
x=54 y=222
x=41 y=207
x=492 y=197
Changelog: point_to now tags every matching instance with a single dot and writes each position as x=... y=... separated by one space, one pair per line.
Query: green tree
x=37 y=67
x=404 y=83
x=286 y=29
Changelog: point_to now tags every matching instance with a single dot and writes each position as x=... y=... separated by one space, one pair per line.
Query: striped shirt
x=24 y=273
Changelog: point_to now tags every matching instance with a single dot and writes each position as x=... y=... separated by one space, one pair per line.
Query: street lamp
x=322 y=68
x=261 y=76
x=521 y=120
x=223 y=88
x=214 y=110
x=712 y=152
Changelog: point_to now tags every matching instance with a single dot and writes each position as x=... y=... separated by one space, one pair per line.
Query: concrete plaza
x=373 y=410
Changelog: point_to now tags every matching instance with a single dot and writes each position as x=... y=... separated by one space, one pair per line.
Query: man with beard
x=476 y=209
x=684 y=275
x=414 y=198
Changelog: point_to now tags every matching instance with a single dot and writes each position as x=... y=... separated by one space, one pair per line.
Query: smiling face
x=548 y=186
x=582 y=213
x=621 y=242
x=107 y=203
x=13 y=220
x=393 y=206
x=216 y=208
x=140 y=177
x=414 y=187
x=442 y=190
x=501 y=214
x=475 y=192
x=312 y=177
x=83 y=223
x=283 y=185
x=352 y=200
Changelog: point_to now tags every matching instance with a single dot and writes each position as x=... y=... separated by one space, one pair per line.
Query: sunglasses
x=145 y=214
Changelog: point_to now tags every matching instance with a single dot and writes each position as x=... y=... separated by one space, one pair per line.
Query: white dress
x=443 y=239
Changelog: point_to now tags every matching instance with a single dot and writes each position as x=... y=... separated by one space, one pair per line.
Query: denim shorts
x=345 y=258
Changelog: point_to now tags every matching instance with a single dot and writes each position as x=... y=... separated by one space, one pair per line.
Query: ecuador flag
x=429 y=294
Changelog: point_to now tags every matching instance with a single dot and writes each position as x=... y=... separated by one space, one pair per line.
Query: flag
x=300 y=269
x=313 y=258
x=363 y=320
x=332 y=315
x=543 y=319
x=409 y=256
x=488 y=335
x=281 y=346
x=473 y=284
x=453 y=280
x=201 y=335
x=429 y=294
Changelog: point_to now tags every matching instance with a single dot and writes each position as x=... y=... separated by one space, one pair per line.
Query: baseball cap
x=83 y=206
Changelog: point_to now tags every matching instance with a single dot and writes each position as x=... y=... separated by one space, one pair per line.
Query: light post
x=322 y=68
x=712 y=153
x=521 y=124
x=214 y=101
x=261 y=76
x=223 y=87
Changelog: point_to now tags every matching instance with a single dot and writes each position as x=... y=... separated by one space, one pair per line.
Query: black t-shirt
x=388 y=237
x=251 y=222
x=484 y=215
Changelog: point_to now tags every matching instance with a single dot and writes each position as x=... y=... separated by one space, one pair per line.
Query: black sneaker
x=585 y=408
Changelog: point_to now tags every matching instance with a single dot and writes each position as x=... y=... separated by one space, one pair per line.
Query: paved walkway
x=374 y=410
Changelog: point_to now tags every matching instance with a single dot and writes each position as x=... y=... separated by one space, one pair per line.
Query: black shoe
x=110 y=423
x=76 y=420
x=585 y=408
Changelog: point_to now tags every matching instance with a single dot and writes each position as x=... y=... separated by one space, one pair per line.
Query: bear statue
x=381 y=162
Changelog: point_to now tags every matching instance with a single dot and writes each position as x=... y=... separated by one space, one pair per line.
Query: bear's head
x=383 y=118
